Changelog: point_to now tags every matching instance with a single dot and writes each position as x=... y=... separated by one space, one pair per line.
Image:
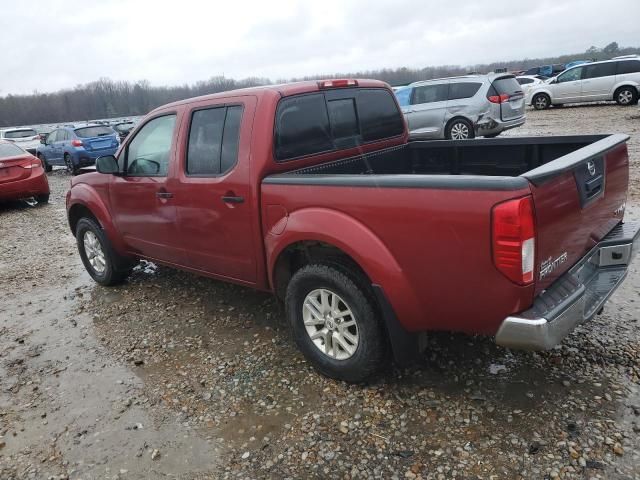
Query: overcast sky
x=55 y=44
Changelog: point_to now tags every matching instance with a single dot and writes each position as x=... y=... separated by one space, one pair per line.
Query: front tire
x=335 y=322
x=45 y=164
x=541 y=101
x=104 y=265
x=626 y=96
x=460 y=129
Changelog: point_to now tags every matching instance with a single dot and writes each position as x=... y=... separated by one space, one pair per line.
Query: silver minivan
x=617 y=79
x=460 y=108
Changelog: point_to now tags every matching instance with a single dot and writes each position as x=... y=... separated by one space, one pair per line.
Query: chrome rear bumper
x=576 y=296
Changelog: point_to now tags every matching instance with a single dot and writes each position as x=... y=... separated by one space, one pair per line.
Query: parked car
x=460 y=108
x=546 y=70
x=617 y=80
x=77 y=147
x=311 y=191
x=26 y=138
x=576 y=63
x=123 y=129
x=21 y=174
x=528 y=83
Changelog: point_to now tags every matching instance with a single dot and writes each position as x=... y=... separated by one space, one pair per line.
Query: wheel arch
x=342 y=240
x=85 y=202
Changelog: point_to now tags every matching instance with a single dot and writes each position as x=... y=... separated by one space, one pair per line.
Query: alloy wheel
x=330 y=324
x=93 y=251
x=459 y=131
x=625 y=97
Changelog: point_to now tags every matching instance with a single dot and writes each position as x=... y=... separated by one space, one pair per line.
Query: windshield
x=24 y=133
x=10 y=150
x=88 y=132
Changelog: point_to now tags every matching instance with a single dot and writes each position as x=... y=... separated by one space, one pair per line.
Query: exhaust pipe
x=31 y=201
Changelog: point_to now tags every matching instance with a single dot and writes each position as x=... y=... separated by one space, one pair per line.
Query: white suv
x=25 y=137
x=617 y=79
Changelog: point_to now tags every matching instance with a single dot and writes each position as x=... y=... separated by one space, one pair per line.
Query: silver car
x=617 y=79
x=464 y=107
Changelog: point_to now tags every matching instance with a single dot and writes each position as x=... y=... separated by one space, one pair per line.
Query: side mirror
x=107 y=164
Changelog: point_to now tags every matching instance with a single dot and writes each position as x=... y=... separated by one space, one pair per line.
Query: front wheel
x=626 y=96
x=335 y=322
x=541 y=101
x=460 y=129
x=45 y=164
x=103 y=264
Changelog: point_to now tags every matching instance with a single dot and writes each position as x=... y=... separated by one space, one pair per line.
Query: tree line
x=106 y=98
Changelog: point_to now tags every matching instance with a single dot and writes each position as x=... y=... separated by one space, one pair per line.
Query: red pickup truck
x=312 y=191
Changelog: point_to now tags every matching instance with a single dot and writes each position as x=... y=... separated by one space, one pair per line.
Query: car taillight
x=337 y=83
x=514 y=243
x=76 y=143
x=35 y=163
x=499 y=98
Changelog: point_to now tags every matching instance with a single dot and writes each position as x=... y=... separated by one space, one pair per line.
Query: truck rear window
x=318 y=122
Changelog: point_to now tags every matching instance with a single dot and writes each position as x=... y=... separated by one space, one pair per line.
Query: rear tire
x=45 y=165
x=43 y=198
x=626 y=96
x=335 y=322
x=541 y=101
x=71 y=168
x=104 y=265
x=459 y=129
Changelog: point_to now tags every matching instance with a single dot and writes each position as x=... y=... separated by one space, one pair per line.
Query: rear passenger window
x=599 y=70
x=379 y=115
x=213 y=140
x=628 y=66
x=430 y=93
x=302 y=127
x=463 y=90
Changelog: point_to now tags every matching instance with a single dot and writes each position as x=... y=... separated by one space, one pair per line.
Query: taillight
x=514 y=242
x=337 y=83
x=499 y=98
x=76 y=143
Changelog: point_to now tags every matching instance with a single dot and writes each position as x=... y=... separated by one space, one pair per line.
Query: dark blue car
x=76 y=147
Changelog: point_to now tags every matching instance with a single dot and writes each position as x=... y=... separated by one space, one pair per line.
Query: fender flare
x=84 y=195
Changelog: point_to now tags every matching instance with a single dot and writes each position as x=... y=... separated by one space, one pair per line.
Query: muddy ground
x=176 y=376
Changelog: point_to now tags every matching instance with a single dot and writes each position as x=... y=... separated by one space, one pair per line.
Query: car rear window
x=27 y=132
x=10 y=150
x=524 y=81
x=315 y=123
x=88 y=132
x=506 y=85
x=458 y=90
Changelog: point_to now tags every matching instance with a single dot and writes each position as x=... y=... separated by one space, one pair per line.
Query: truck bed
x=504 y=157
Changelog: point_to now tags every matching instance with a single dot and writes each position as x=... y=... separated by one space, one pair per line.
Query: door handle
x=164 y=194
x=232 y=199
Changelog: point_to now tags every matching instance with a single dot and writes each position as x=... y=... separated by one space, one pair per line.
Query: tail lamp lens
x=514 y=244
x=76 y=143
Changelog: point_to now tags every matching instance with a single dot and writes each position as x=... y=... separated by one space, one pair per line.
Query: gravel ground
x=176 y=376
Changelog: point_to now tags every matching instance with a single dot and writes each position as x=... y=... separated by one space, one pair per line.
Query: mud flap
x=404 y=344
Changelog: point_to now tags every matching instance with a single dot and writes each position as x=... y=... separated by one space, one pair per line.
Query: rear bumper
x=576 y=296
x=34 y=185
x=490 y=126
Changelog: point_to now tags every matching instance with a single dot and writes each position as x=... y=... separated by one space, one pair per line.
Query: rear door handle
x=164 y=194
x=232 y=199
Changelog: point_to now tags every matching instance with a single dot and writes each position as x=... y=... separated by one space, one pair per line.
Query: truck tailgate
x=578 y=199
